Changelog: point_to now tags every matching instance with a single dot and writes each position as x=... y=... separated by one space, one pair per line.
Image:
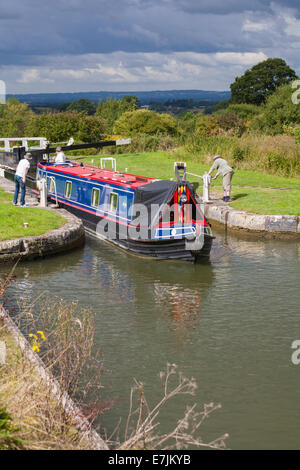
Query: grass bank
x=253 y=191
x=12 y=219
x=34 y=412
x=34 y=420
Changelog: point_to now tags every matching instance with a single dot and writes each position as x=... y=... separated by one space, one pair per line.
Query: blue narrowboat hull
x=166 y=249
x=76 y=193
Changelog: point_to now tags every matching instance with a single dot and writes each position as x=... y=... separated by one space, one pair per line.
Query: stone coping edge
x=68 y=236
x=74 y=413
x=232 y=218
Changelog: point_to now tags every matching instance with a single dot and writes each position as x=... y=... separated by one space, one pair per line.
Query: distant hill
x=145 y=97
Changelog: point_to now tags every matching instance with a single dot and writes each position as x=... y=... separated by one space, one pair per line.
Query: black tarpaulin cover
x=159 y=193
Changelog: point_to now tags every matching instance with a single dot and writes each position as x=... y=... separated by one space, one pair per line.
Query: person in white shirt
x=60 y=156
x=20 y=179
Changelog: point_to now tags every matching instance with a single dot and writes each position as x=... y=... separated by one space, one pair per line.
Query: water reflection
x=183 y=305
x=229 y=323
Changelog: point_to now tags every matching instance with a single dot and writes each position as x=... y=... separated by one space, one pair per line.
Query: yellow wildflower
x=43 y=337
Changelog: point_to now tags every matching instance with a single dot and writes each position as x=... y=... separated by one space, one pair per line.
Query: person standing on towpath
x=20 y=179
x=224 y=170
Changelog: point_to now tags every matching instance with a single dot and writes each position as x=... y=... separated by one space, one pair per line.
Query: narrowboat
x=153 y=218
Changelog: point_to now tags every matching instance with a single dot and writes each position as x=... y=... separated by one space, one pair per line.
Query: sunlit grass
x=267 y=201
x=248 y=186
x=161 y=165
x=12 y=219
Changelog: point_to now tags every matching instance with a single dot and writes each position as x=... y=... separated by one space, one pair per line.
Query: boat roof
x=99 y=174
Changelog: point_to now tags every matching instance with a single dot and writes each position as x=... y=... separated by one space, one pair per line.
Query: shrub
x=91 y=128
x=230 y=121
x=111 y=109
x=58 y=127
x=8 y=432
x=207 y=125
x=238 y=154
x=14 y=117
x=145 y=122
x=293 y=131
x=243 y=110
x=278 y=112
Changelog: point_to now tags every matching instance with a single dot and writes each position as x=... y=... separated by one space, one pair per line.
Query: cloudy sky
x=139 y=45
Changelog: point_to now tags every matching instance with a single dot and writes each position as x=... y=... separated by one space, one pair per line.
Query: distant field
x=245 y=194
x=12 y=219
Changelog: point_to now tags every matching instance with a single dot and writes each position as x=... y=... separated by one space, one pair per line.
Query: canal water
x=229 y=323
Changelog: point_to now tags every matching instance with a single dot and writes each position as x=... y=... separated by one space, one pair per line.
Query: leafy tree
x=91 y=128
x=279 y=111
x=62 y=107
x=129 y=103
x=213 y=108
x=14 y=117
x=261 y=81
x=82 y=105
x=58 y=127
x=145 y=122
x=112 y=109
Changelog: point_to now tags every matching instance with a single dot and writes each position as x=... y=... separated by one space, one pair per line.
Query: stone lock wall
x=70 y=235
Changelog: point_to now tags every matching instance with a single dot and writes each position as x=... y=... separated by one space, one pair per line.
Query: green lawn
x=267 y=201
x=12 y=219
x=245 y=195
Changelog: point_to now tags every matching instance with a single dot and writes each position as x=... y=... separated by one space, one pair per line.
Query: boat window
x=51 y=184
x=68 y=189
x=113 y=202
x=95 y=197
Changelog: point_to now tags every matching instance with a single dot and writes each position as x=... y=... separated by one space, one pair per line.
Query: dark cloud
x=227 y=7
x=35 y=33
x=103 y=26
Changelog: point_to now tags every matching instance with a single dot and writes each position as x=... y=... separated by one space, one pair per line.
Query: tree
x=261 y=81
x=82 y=105
x=279 y=111
x=112 y=109
x=58 y=127
x=14 y=117
x=91 y=128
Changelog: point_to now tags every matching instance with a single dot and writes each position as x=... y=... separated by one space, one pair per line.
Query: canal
x=229 y=323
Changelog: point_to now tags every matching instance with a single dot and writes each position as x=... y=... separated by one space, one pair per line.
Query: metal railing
x=22 y=142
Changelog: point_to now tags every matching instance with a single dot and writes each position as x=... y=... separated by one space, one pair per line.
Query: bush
x=111 y=109
x=278 y=112
x=238 y=154
x=144 y=143
x=145 y=122
x=207 y=125
x=230 y=122
x=8 y=431
x=91 y=128
x=59 y=127
x=293 y=131
x=14 y=117
x=243 y=111
x=281 y=164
